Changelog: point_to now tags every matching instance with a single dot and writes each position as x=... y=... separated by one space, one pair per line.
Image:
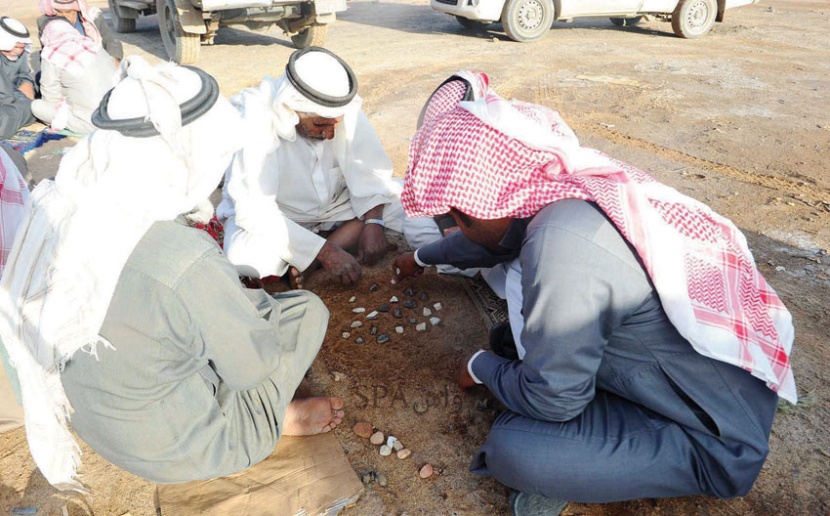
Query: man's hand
x=404 y=267
x=340 y=263
x=372 y=244
x=465 y=381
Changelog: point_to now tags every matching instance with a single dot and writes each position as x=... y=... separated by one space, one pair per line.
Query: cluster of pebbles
x=387 y=446
x=398 y=321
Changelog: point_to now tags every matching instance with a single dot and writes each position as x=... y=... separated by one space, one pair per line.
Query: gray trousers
x=615 y=450
x=15 y=116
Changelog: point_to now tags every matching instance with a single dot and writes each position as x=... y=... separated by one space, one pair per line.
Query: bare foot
x=295 y=278
x=311 y=416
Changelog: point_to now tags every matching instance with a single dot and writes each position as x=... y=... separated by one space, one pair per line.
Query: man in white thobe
x=312 y=167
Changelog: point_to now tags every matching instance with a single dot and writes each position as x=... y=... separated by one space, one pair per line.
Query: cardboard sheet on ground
x=304 y=476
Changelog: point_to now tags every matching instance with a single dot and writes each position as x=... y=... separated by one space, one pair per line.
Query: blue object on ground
x=25 y=140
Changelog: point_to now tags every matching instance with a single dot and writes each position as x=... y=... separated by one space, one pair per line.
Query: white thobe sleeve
x=258 y=235
x=262 y=237
x=368 y=170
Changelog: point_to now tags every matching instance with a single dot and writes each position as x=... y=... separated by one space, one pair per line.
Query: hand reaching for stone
x=404 y=267
x=340 y=263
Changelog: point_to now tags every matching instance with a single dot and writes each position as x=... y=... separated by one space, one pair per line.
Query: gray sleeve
x=108 y=38
x=459 y=251
x=575 y=294
x=237 y=335
x=22 y=71
x=15 y=108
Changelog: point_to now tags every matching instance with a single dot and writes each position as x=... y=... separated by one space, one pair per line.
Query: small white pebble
x=780 y=268
x=385 y=450
x=421 y=326
x=377 y=438
x=399 y=329
x=435 y=321
x=357 y=324
x=427 y=312
x=337 y=375
x=346 y=335
x=372 y=315
x=438 y=307
x=352 y=299
x=393 y=299
x=397 y=446
x=404 y=453
x=358 y=310
x=391 y=440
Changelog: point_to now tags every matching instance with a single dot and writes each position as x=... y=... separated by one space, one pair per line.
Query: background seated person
x=75 y=75
x=88 y=21
x=17 y=88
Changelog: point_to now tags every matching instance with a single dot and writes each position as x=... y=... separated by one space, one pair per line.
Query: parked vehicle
x=527 y=20
x=187 y=24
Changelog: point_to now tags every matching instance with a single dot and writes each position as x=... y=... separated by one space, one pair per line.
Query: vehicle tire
x=526 y=20
x=181 y=47
x=312 y=36
x=626 y=22
x=474 y=25
x=693 y=18
x=119 y=24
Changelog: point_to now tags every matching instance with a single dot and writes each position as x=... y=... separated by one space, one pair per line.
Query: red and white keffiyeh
x=66 y=48
x=13 y=195
x=494 y=158
x=462 y=85
x=87 y=15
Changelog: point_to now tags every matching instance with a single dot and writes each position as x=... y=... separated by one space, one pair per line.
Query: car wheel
x=693 y=18
x=181 y=47
x=312 y=36
x=626 y=22
x=119 y=24
x=473 y=24
x=526 y=20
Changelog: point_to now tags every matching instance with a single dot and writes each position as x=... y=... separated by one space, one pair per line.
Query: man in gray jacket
x=651 y=352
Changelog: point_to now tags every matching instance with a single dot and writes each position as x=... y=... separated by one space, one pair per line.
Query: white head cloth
x=271 y=114
x=81 y=228
x=9 y=40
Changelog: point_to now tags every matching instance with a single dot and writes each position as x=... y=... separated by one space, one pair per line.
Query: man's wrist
x=418 y=260
x=470 y=367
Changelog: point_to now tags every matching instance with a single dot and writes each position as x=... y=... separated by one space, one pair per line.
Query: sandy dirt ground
x=739 y=119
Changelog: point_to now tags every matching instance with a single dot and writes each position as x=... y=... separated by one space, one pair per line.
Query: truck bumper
x=482 y=10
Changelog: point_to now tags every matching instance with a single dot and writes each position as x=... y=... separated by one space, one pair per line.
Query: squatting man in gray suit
x=648 y=352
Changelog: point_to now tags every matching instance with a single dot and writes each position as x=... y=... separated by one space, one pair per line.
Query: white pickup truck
x=526 y=20
x=187 y=24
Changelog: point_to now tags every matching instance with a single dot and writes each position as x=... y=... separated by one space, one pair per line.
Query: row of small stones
x=383 y=337
x=367 y=431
